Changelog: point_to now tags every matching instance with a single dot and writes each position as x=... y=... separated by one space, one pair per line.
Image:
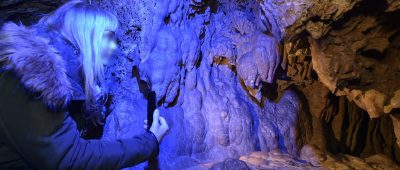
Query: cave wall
x=267 y=82
x=351 y=46
x=27 y=12
x=228 y=61
x=201 y=63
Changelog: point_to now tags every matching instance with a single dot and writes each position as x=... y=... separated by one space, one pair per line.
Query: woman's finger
x=156 y=115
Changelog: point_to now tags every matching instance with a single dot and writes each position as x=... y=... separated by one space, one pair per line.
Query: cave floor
x=278 y=160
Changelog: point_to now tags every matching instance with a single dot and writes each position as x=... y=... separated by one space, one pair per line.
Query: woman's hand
x=159 y=127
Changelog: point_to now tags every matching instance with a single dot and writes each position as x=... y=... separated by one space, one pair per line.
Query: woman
x=43 y=71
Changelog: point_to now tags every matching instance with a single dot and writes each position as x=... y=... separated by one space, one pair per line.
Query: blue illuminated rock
x=217 y=65
x=195 y=60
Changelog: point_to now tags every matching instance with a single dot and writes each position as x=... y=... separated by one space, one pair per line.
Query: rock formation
x=256 y=84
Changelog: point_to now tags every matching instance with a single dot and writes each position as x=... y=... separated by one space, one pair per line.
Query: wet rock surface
x=271 y=84
x=26 y=11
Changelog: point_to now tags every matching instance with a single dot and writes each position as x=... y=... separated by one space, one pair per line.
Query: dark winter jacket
x=36 y=131
x=83 y=115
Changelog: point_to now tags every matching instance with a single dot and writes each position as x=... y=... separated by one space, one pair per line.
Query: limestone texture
x=256 y=84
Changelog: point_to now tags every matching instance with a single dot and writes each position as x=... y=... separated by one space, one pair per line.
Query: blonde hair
x=84 y=25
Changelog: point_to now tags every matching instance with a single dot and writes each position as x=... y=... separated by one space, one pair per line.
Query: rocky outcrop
x=351 y=47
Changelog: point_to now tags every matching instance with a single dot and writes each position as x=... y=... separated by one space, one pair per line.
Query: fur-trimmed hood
x=37 y=64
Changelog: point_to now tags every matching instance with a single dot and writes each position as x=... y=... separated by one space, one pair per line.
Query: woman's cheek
x=113 y=45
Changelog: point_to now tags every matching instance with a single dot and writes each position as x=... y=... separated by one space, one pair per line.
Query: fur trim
x=38 y=65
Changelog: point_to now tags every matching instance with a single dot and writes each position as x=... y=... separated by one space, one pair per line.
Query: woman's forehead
x=109 y=32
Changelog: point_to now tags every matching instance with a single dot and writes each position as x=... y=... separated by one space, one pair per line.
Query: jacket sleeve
x=48 y=140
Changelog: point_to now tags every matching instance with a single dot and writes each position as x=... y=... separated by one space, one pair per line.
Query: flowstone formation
x=256 y=84
x=214 y=64
x=200 y=63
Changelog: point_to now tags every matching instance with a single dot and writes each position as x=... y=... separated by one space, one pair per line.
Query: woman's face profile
x=109 y=45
